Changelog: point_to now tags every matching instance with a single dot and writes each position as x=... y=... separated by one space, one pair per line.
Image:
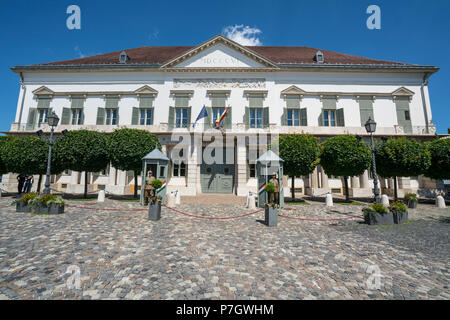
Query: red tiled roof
x=282 y=55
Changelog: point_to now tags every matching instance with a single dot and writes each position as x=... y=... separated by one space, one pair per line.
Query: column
x=241 y=167
x=364 y=180
x=324 y=179
x=355 y=182
x=314 y=179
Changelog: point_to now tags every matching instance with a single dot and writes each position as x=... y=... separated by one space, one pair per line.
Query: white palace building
x=270 y=90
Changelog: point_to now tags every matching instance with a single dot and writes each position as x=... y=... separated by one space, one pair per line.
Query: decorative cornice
x=146 y=90
x=182 y=92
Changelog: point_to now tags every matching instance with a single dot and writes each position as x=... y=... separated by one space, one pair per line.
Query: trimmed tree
x=83 y=150
x=28 y=155
x=300 y=153
x=345 y=156
x=401 y=158
x=127 y=147
x=3 y=141
x=440 y=159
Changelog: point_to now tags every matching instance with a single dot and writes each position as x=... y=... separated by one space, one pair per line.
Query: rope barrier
x=105 y=209
x=213 y=218
x=337 y=219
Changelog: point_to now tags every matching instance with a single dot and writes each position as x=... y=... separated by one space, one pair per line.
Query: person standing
x=21 y=181
x=28 y=183
x=276 y=193
x=148 y=189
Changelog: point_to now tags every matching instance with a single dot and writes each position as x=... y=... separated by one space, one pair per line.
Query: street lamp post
x=371 y=126
x=52 y=122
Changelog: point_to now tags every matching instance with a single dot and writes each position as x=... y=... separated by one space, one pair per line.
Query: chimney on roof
x=319 y=57
x=123 y=57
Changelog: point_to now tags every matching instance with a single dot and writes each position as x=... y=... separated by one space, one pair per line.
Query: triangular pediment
x=220 y=52
x=293 y=90
x=43 y=91
x=403 y=92
x=146 y=90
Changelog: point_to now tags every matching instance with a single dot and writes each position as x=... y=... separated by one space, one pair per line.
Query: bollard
x=154 y=211
x=101 y=196
x=177 y=197
x=385 y=200
x=329 y=200
x=271 y=216
x=251 y=201
x=171 y=200
x=440 y=202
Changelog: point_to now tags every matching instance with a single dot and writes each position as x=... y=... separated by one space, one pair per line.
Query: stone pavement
x=122 y=255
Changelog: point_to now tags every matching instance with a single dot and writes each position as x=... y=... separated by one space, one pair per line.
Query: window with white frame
x=329 y=118
x=145 y=116
x=43 y=114
x=77 y=116
x=181 y=117
x=111 y=116
x=256 y=117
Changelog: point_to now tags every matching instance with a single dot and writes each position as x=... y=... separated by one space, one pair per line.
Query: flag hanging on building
x=203 y=114
x=222 y=117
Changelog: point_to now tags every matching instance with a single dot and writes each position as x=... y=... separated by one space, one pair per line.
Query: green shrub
x=411 y=197
x=397 y=206
x=157 y=183
x=269 y=188
x=27 y=197
x=51 y=198
x=375 y=208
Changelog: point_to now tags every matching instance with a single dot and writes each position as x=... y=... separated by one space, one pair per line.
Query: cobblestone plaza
x=111 y=251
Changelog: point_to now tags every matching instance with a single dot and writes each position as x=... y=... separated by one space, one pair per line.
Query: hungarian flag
x=222 y=117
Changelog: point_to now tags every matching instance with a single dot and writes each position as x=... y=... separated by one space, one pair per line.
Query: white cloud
x=78 y=51
x=243 y=35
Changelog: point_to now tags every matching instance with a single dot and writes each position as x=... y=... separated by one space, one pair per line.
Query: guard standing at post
x=149 y=190
x=276 y=194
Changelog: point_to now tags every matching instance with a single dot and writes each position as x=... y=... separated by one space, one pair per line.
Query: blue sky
x=412 y=31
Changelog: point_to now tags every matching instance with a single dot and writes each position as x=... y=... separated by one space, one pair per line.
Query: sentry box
x=268 y=165
x=158 y=163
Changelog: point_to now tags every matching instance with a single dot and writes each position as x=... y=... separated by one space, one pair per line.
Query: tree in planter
x=440 y=159
x=345 y=156
x=401 y=158
x=300 y=153
x=28 y=155
x=83 y=150
x=127 y=147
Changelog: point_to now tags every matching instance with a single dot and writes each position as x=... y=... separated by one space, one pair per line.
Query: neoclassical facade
x=271 y=91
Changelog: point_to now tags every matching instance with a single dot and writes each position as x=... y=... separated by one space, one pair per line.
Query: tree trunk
x=39 y=184
x=85 y=184
x=347 y=197
x=293 y=188
x=135 y=184
x=395 y=189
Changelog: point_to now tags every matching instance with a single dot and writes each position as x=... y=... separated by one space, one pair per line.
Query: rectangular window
x=407 y=116
x=252 y=170
x=256 y=117
x=77 y=116
x=145 y=117
x=329 y=118
x=181 y=117
x=43 y=113
x=293 y=117
x=179 y=169
x=111 y=116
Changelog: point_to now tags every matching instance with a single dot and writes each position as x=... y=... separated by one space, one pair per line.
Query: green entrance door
x=217 y=178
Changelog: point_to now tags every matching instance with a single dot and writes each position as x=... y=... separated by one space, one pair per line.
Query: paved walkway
x=122 y=255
